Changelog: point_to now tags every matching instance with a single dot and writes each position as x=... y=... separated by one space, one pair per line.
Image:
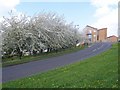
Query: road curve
x=28 y=69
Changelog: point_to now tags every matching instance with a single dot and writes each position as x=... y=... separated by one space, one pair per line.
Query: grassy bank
x=25 y=59
x=100 y=71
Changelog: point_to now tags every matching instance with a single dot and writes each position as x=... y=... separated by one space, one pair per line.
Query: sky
x=96 y=13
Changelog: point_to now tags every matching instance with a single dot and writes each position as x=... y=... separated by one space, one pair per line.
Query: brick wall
x=112 y=39
x=92 y=32
x=102 y=34
x=96 y=34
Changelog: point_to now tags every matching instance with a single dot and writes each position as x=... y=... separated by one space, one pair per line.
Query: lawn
x=100 y=71
x=15 y=60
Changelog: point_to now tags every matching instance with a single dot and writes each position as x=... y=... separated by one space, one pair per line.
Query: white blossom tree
x=43 y=31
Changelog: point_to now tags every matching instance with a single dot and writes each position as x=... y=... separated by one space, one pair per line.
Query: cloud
x=54 y=0
x=106 y=15
x=6 y=6
x=9 y=3
x=102 y=3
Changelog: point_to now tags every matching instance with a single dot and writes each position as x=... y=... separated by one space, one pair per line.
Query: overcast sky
x=97 y=13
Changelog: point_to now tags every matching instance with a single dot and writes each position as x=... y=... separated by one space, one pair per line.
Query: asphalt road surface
x=31 y=68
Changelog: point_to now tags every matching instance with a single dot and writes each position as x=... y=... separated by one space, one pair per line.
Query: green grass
x=25 y=59
x=100 y=71
x=0 y=86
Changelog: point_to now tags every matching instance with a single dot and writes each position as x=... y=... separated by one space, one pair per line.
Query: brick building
x=112 y=38
x=102 y=34
x=90 y=33
x=93 y=34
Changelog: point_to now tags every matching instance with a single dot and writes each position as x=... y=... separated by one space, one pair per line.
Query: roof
x=112 y=36
x=102 y=29
x=91 y=27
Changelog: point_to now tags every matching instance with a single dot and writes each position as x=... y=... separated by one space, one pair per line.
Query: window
x=90 y=31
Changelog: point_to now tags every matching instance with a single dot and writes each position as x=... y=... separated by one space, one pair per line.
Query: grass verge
x=100 y=71
x=25 y=59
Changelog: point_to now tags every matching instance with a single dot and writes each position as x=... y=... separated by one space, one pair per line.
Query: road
x=31 y=68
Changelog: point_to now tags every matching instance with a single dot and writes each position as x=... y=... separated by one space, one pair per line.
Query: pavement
x=35 y=67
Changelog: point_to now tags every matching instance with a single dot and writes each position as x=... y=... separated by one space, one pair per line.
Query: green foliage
x=100 y=71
